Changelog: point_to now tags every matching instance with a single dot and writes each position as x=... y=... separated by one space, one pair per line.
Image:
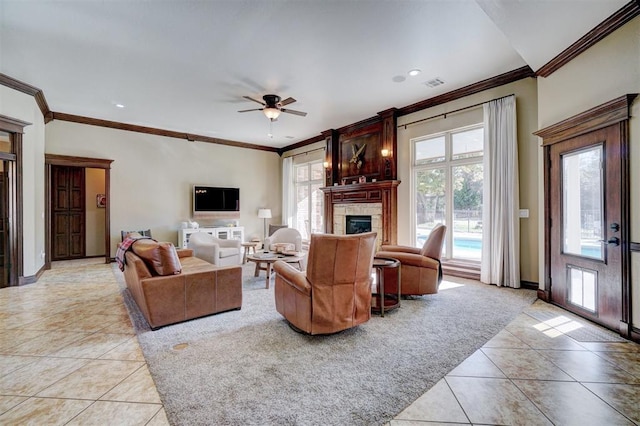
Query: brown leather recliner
x=335 y=292
x=420 y=270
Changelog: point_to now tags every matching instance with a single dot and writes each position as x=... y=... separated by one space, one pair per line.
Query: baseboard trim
x=31 y=279
x=530 y=285
x=543 y=295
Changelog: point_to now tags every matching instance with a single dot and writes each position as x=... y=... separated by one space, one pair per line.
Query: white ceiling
x=185 y=65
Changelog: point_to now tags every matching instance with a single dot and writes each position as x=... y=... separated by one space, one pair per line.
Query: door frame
x=613 y=113
x=16 y=235
x=87 y=163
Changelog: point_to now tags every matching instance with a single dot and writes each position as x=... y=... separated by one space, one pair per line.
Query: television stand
x=222 y=232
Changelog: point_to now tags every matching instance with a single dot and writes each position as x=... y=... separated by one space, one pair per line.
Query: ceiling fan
x=272 y=106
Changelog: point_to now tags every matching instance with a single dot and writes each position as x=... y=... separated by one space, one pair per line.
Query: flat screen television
x=211 y=199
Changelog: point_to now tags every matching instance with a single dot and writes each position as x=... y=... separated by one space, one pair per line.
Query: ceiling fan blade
x=293 y=111
x=287 y=101
x=254 y=100
x=254 y=109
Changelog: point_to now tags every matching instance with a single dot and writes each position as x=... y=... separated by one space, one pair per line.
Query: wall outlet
x=42 y=254
x=524 y=212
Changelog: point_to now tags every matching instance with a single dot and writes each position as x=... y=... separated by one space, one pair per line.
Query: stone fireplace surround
x=375 y=199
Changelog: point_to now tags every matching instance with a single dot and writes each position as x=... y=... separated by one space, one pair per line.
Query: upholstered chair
x=220 y=252
x=283 y=236
x=334 y=293
x=420 y=269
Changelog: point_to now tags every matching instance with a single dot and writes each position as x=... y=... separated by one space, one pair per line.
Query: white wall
x=527 y=109
x=608 y=70
x=23 y=107
x=152 y=176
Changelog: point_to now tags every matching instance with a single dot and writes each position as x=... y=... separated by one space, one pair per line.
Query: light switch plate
x=524 y=212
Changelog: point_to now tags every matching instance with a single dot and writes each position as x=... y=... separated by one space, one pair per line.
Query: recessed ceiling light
x=414 y=72
x=119 y=105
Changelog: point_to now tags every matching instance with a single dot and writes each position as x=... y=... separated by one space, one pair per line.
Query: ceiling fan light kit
x=273 y=106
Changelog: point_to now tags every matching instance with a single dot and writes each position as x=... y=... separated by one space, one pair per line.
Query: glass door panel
x=467 y=211
x=582 y=199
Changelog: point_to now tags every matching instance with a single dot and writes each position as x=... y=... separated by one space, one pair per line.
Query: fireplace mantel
x=384 y=192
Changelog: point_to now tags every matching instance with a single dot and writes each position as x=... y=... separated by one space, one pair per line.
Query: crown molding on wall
x=489 y=83
x=606 y=27
x=155 y=131
x=20 y=86
x=472 y=89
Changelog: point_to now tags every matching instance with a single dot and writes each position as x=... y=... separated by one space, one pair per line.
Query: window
x=447 y=183
x=308 y=198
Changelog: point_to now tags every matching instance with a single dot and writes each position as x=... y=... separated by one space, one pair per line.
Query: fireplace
x=376 y=200
x=357 y=224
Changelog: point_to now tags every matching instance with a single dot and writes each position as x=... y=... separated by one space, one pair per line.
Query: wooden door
x=68 y=212
x=5 y=258
x=586 y=238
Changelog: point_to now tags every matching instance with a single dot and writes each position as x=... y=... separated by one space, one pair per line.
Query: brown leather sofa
x=420 y=269
x=335 y=292
x=171 y=286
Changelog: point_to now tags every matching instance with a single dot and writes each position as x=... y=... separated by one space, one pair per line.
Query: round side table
x=383 y=301
x=248 y=247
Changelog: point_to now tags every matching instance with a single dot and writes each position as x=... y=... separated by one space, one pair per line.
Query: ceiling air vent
x=434 y=82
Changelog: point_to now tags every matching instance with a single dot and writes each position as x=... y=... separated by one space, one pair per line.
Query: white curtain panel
x=287 y=191
x=500 y=216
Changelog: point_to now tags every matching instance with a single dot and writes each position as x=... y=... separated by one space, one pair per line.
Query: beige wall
x=606 y=71
x=527 y=110
x=152 y=176
x=18 y=105
x=95 y=216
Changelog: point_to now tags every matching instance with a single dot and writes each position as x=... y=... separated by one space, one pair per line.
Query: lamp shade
x=264 y=213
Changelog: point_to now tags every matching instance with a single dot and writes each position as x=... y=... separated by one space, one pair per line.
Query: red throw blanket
x=124 y=247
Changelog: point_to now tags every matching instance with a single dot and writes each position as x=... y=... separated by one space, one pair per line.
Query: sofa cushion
x=161 y=257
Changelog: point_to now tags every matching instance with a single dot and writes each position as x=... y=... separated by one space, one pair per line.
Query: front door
x=585 y=183
x=68 y=212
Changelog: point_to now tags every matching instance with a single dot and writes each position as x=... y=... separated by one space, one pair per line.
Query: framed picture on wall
x=101 y=201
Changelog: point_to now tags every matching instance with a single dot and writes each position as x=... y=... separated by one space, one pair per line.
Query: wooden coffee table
x=264 y=260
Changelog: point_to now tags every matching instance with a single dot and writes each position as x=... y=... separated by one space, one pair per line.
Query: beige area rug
x=248 y=367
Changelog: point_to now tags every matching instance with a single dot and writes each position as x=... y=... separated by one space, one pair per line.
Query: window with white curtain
x=447 y=180
x=308 y=199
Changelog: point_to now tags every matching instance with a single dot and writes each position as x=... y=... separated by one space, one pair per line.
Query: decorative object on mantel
x=358 y=155
x=264 y=214
x=362 y=179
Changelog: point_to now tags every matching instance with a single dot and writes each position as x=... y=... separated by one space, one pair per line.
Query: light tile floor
x=69 y=355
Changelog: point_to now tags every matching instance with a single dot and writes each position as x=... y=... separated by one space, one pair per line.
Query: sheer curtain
x=500 y=219
x=287 y=191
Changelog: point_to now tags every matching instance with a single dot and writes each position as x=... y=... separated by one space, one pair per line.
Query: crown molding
x=472 y=89
x=490 y=83
x=157 y=132
x=606 y=27
x=23 y=87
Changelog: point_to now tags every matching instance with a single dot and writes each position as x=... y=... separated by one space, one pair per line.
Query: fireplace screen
x=358 y=224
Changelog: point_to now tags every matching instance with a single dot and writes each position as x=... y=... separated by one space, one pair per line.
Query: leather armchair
x=218 y=251
x=284 y=235
x=334 y=293
x=420 y=271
